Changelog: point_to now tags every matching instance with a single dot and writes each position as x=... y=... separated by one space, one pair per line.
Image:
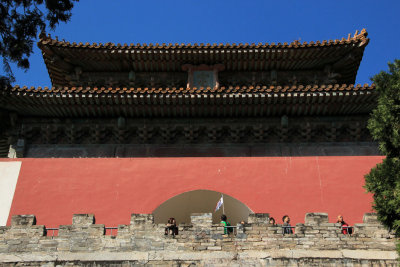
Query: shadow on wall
x=202 y=150
x=200 y=201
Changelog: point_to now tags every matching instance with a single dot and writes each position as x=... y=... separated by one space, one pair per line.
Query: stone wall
x=315 y=242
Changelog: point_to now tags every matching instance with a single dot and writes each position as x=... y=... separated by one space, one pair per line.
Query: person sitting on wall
x=242 y=226
x=225 y=223
x=287 y=229
x=272 y=221
x=345 y=227
x=171 y=227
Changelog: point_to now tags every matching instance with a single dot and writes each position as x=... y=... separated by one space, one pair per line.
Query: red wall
x=113 y=188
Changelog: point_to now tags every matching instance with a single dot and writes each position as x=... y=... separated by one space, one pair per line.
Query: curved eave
x=190 y=103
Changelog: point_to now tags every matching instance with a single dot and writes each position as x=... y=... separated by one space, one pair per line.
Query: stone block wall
x=316 y=242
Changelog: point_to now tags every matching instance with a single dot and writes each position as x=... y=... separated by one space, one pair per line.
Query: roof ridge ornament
x=358 y=36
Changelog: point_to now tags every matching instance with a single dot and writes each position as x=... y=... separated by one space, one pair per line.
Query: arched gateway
x=181 y=206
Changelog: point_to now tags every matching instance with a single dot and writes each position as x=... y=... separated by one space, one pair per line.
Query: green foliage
x=384 y=124
x=20 y=22
x=384 y=180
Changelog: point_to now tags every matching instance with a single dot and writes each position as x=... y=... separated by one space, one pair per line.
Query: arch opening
x=200 y=201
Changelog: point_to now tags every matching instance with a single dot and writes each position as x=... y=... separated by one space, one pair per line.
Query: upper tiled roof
x=64 y=59
x=359 y=38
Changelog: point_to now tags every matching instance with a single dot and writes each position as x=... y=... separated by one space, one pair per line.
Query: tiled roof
x=64 y=59
x=221 y=90
x=358 y=38
x=233 y=102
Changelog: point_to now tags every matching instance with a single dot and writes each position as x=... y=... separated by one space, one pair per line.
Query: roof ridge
x=46 y=39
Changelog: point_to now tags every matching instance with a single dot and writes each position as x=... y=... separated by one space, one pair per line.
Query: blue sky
x=220 y=21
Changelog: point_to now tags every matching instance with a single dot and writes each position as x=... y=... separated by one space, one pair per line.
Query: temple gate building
x=165 y=129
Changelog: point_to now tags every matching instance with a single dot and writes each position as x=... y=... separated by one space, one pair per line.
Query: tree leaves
x=20 y=23
x=384 y=180
x=385 y=119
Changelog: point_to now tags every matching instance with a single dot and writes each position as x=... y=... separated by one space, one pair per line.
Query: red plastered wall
x=113 y=188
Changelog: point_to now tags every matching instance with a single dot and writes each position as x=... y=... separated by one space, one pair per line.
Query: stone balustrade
x=314 y=242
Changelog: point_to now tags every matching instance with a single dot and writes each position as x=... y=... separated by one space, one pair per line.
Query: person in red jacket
x=345 y=227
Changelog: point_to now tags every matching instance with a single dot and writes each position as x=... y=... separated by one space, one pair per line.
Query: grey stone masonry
x=316 y=218
x=315 y=242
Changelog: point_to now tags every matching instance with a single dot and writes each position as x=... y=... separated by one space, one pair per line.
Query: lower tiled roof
x=208 y=90
x=190 y=102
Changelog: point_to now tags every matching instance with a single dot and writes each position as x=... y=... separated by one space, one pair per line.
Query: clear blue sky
x=220 y=21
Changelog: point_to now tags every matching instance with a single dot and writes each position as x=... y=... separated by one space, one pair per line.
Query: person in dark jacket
x=171 y=227
x=272 y=221
x=286 y=225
